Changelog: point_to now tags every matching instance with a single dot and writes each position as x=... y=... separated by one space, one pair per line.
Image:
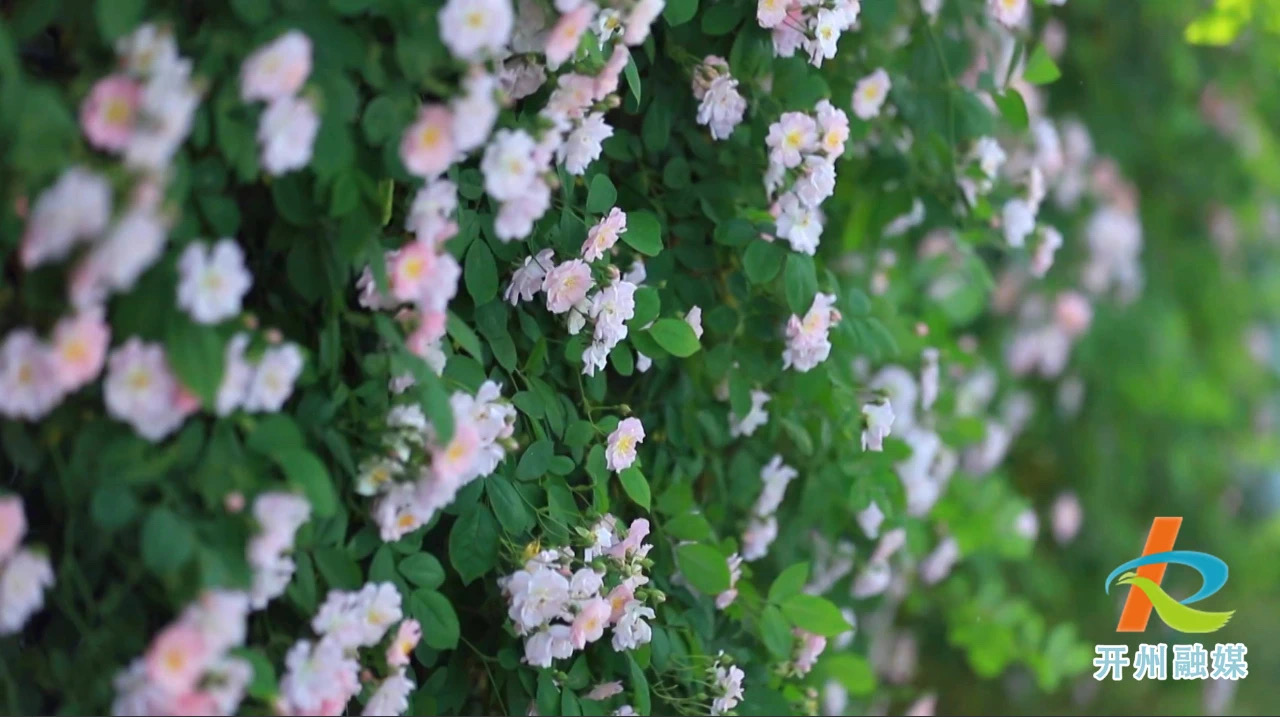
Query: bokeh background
x=1182 y=413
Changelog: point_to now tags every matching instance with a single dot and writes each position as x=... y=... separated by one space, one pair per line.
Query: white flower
x=273 y=381
x=287 y=132
x=318 y=675
x=430 y=214
x=807 y=341
x=583 y=145
x=799 y=224
x=931 y=8
x=22 y=584
x=212 y=280
x=792 y=136
x=694 y=320
x=989 y=154
x=775 y=475
x=631 y=630
x=142 y=391
x=643 y=13
x=526 y=282
x=392 y=696
x=879 y=418
x=147 y=49
x=722 y=107
x=475 y=28
x=604 y=235
x=755 y=418
x=475 y=111
x=872 y=581
x=929 y=376
x=759 y=535
x=28 y=382
x=508 y=166
x=133 y=244
x=726 y=597
x=1008 y=12
x=621 y=451
x=827 y=27
x=610 y=309
x=870 y=519
x=167 y=110
x=817 y=181
x=870 y=93
x=727 y=688
x=516 y=217
x=771 y=13
x=585 y=583
x=74 y=209
x=1019 y=221
x=937 y=565
x=566 y=285
x=1042 y=257
x=1027 y=524
x=236 y=374
x=375 y=474
x=278 y=69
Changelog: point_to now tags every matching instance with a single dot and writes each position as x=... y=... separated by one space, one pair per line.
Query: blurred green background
x=1181 y=413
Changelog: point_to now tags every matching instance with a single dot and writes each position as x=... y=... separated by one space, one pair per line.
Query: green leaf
x=383 y=567
x=639 y=687
x=195 y=354
x=462 y=333
x=548 y=696
x=473 y=544
x=508 y=506
x=852 y=671
x=537 y=457
x=117 y=17
x=721 y=18
x=167 y=541
x=439 y=621
x=304 y=470
x=690 y=526
x=775 y=632
x=632 y=73
x=678 y=12
x=601 y=195
x=801 y=282
x=788 y=583
x=1013 y=108
x=273 y=432
x=481 y=274
x=675 y=336
x=337 y=568
x=1041 y=69
x=704 y=567
x=815 y=614
x=112 y=507
x=636 y=486
x=423 y=570
x=263 y=684
x=644 y=232
x=647 y=306
x=761 y=261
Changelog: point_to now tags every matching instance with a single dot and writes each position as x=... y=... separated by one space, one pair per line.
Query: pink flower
x=427 y=145
x=80 y=348
x=108 y=114
x=589 y=625
x=606 y=83
x=564 y=37
x=811 y=646
x=177 y=658
x=430 y=330
x=455 y=462
x=1073 y=313
x=410 y=268
x=278 y=69
x=566 y=285
x=636 y=533
x=406 y=639
x=618 y=599
x=604 y=234
x=13 y=525
x=192 y=704
x=621 y=451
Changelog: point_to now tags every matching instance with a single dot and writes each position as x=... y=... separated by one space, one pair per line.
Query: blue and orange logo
x=1144 y=574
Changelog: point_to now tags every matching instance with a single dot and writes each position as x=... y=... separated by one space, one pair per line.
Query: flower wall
x=479 y=356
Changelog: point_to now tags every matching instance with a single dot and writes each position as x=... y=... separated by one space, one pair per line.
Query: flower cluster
x=621 y=450
x=726 y=685
x=275 y=74
x=417 y=472
x=812 y=26
x=188 y=668
x=279 y=515
x=755 y=418
x=763 y=525
x=25 y=573
x=802 y=171
x=879 y=418
x=720 y=105
x=322 y=676
x=808 y=648
x=568 y=287
x=560 y=603
x=807 y=339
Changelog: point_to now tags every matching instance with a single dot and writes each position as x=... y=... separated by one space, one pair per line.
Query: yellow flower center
x=456 y=451
x=406 y=520
x=117 y=112
x=475 y=19
x=139 y=380
x=414 y=267
x=75 y=351
x=793 y=138
x=175 y=660
x=625 y=443
x=430 y=137
x=25 y=373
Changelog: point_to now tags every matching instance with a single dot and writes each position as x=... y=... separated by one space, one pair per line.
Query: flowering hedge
x=478 y=357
